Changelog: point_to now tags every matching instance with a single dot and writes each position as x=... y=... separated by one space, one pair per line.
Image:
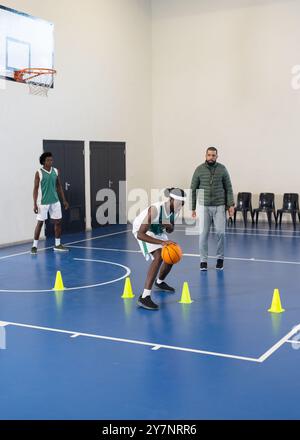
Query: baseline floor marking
x=20 y=253
x=254 y=260
x=128 y=230
x=127 y=273
x=283 y=232
x=282 y=341
x=291 y=231
x=191 y=233
x=106 y=249
x=155 y=346
x=99 y=236
x=66 y=244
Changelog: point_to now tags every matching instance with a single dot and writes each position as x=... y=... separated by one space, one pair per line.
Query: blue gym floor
x=85 y=353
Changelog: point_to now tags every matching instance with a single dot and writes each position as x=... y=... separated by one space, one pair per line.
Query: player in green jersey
x=47 y=181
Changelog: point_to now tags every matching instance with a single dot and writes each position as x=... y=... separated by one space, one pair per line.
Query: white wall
x=102 y=92
x=221 y=76
x=214 y=72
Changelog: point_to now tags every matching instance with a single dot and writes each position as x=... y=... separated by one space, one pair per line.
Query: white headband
x=176 y=197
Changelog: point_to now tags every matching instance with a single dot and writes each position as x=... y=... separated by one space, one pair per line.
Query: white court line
x=128 y=230
x=99 y=236
x=66 y=244
x=282 y=341
x=293 y=342
x=261 y=235
x=154 y=346
x=240 y=233
x=20 y=253
x=295 y=231
x=90 y=286
x=106 y=249
x=254 y=229
x=254 y=260
x=282 y=231
x=73 y=334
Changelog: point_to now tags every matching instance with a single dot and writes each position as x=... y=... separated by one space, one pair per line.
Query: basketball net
x=38 y=80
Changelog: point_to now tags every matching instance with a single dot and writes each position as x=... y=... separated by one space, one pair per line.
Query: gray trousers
x=208 y=214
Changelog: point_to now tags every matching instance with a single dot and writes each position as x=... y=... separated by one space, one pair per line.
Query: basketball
x=171 y=254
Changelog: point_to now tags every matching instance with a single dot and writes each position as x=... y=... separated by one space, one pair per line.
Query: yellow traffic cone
x=185 y=296
x=59 y=285
x=276 y=303
x=127 y=292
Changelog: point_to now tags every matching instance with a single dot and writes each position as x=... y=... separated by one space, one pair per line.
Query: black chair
x=244 y=205
x=267 y=205
x=290 y=205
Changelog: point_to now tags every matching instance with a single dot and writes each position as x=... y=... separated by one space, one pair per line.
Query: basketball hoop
x=39 y=80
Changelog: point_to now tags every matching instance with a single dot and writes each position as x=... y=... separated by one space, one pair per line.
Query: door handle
x=110 y=183
x=67 y=185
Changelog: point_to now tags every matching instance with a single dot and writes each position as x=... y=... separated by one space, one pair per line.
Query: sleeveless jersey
x=48 y=189
x=161 y=218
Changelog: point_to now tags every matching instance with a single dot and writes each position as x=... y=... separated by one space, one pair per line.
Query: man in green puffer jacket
x=211 y=186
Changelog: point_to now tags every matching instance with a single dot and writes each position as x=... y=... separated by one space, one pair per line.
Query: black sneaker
x=147 y=303
x=61 y=248
x=33 y=250
x=164 y=286
x=203 y=266
x=220 y=264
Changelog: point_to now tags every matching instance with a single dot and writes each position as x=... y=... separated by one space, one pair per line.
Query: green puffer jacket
x=215 y=181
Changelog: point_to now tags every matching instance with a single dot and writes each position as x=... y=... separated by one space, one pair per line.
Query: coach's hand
x=194 y=214
x=231 y=211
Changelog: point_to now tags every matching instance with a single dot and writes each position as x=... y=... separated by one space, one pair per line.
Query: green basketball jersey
x=157 y=226
x=48 y=181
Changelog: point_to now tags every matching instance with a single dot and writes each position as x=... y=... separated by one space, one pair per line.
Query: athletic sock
x=57 y=241
x=35 y=243
x=146 y=293
x=158 y=281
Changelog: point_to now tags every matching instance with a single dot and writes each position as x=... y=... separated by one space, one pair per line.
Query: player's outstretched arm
x=36 y=191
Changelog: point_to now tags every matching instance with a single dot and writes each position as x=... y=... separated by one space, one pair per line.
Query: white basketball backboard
x=25 y=42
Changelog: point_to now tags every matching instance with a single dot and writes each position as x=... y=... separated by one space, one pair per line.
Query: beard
x=211 y=162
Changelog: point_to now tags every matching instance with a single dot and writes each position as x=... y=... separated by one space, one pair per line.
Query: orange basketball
x=171 y=254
